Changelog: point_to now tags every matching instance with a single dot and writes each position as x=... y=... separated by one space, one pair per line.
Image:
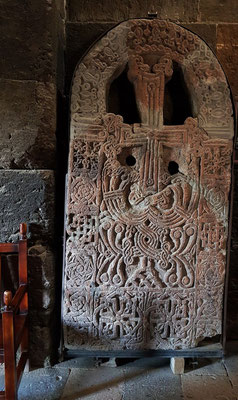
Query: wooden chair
x=14 y=329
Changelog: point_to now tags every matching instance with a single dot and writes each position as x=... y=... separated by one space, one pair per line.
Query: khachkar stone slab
x=147 y=204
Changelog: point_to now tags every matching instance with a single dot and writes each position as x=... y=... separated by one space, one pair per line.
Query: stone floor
x=141 y=379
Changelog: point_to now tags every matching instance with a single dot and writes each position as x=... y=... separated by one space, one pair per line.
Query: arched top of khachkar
x=148 y=191
x=154 y=49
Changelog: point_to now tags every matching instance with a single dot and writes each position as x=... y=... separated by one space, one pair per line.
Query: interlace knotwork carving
x=147 y=203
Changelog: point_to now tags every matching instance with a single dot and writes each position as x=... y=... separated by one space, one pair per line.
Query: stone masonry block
x=119 y=10
x=28 y=40
x=206 y=31
x=227 y=52
x=41 y=318
x=175 y=10
x=218 y=11
x=27 y=125
x=27 y=196
x=177 y=365
x=40 y=346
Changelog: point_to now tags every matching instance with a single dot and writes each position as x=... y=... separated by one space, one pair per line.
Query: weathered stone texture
x=28 y=40
x=32 y=76
x=119 y=10
x=146 y=243
x=27 y=124
x=218 y=11
x=42 y=318
x=27 y=196
x=207 y=32
x=227 y=52
x=41 y=345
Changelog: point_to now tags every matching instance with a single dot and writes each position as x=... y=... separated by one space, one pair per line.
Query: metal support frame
x=207 y=351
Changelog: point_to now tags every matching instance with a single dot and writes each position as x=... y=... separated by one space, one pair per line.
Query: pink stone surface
x=146 y=245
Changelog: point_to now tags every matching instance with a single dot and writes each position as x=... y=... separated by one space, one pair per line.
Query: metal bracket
x=152 y=14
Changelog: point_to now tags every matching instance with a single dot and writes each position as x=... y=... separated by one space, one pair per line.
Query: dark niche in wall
x=122 y=100
x=177 y=101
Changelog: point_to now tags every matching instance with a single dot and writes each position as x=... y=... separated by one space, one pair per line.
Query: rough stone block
x=177 y=365
x=27 y=196
x=119 y=10
x=110 y=363
x=206 y=31
x=40 y=346
x=227 y=52
x=218 y=11
x=28 y=40
x=27 y=125
x=47 y=383
x=181 y=11
x=40 y=318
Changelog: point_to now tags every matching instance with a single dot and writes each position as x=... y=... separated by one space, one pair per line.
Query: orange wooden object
x=13 y=321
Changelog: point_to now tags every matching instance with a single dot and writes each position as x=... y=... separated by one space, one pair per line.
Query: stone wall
x=37 y=40
x=31 y=77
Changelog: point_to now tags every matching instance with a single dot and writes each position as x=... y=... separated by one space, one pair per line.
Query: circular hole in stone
x=130 y=160
x=173 y=168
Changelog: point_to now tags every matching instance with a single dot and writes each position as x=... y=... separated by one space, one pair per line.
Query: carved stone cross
x=148 y=203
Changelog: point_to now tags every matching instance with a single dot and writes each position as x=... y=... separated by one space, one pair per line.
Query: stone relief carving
x=142 y=38
x=147 y=207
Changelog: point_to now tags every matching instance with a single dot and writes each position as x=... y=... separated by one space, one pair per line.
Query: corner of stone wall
x=32 y=74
